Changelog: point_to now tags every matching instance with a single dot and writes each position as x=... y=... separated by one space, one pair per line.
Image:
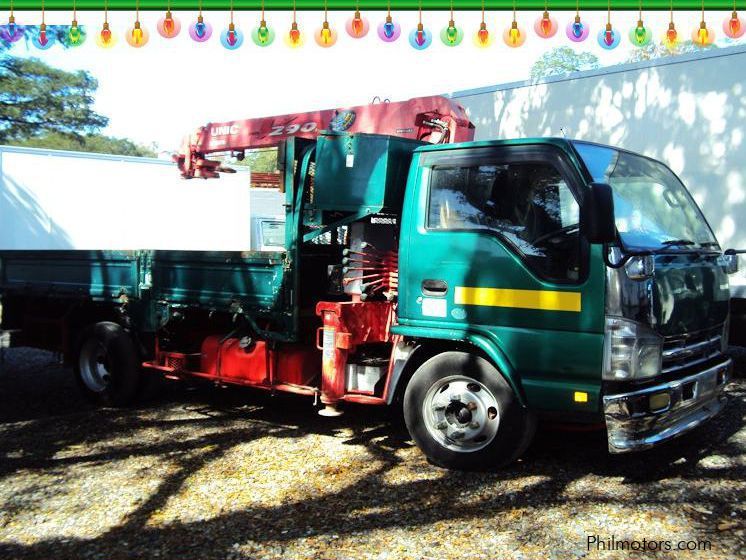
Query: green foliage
x=659 y=50
x=563 y=60
x=97 y=143
x=36 y=100
x=260 y=161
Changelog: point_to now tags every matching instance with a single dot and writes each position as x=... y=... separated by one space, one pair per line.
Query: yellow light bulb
x=137 y=36
x=703 y=36
x=326 y=36
x=514 y=36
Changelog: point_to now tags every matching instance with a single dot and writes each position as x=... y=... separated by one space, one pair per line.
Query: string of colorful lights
x=357 y=27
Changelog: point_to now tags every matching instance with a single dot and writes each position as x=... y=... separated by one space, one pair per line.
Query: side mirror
x=597 y=214
x=731 y=263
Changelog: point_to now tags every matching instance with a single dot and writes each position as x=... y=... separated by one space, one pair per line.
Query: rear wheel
x=107 y=367
x=463 y=414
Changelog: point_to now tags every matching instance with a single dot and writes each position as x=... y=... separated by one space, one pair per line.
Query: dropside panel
x=218 y=280
x=101 y=275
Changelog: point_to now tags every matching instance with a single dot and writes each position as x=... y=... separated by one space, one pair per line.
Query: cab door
x=492 y=247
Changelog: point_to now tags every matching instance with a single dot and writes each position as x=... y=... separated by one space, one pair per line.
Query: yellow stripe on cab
x=545 y=300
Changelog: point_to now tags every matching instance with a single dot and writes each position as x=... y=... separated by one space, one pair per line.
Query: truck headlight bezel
x=725 y=336
x=632 y=351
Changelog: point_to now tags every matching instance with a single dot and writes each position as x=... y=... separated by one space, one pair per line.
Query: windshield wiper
x=683 y=242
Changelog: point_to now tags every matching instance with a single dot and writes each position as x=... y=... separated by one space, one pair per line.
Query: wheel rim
x=94 y=366
x=461 y=413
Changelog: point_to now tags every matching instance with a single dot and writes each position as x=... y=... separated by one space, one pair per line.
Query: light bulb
x=262 y=35
x=514 y=36
x=137 y=36
x=105 y=38
x=451 y=35
x=703 y=36
x=388 y=30
x=168 y=26
x=640 y=36
x=231 y=38
x=357 y=26
x=483 y=39
x=200 y=30
x=294 y=38
x=42 y=39
x=577 y=31
x=420 y=38
x=734 y=26
x=11 y=32
x=325 y=36
x=76 y=35
x=546 y=26
x=672 y=37
x=608 y=38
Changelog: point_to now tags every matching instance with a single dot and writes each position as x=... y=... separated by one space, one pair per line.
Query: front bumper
x=632 y=425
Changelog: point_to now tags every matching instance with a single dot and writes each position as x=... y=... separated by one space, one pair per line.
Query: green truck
x=480 y=286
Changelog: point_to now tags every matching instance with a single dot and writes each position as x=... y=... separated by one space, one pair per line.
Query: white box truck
x=55 y=200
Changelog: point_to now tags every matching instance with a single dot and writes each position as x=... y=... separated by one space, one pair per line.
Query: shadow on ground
x=39 y=420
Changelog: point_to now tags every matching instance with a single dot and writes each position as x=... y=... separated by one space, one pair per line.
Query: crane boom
x=434 y=119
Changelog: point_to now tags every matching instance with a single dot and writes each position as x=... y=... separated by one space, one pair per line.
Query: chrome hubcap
x=94 y=366
x=461 y=413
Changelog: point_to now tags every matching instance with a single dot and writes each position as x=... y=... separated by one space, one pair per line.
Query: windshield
x=652 y=207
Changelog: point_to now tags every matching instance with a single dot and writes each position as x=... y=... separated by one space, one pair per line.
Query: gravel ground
x=208 y=473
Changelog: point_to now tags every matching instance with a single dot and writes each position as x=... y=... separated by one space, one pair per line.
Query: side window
x=273 y=235
x=528 y=205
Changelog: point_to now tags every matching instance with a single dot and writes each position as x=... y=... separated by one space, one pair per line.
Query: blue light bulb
x=388 y=29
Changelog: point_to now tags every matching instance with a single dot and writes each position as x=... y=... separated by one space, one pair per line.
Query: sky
x=166 y=89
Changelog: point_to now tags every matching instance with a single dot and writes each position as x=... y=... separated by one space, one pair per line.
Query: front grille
x=682 y=352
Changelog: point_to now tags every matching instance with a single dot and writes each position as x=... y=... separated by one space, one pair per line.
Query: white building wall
x=689 y=112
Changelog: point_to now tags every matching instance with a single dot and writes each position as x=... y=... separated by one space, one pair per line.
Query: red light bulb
x=483 y=35
x=672 y=34
x=294 y=34
x=609 y=35
x=734 y=24
x=357 y=23
x=420 y=36
x=546 y=24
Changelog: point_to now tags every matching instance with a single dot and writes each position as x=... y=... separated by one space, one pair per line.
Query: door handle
x=434 y=288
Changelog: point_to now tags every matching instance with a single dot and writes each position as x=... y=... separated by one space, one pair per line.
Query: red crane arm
x=433 y=119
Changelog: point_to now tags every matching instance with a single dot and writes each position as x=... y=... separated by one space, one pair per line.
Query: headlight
x=632 y=351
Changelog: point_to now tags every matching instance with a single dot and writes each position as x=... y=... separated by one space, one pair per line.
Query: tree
x=97 y=143
x=36 y=100
x=563 y=60
x=658 y=50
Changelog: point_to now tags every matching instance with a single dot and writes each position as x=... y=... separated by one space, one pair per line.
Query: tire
x=107 y=365
x=462 y=413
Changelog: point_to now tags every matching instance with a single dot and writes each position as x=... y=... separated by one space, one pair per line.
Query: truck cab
x=494 y=255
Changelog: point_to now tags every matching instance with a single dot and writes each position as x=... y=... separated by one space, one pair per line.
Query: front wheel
x=463 y=414
x=107 y=367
